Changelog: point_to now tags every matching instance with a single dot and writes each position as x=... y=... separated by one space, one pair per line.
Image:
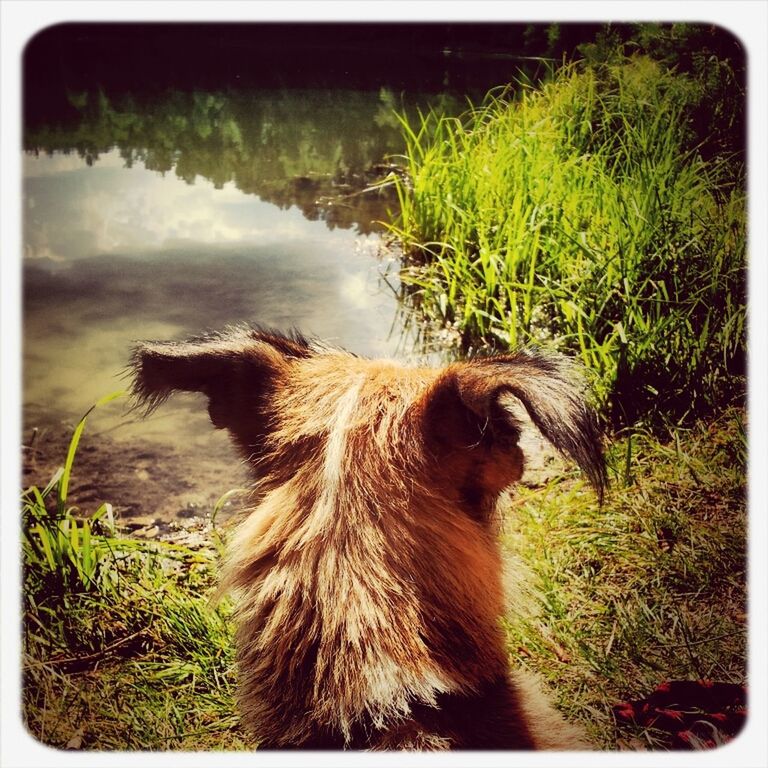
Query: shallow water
x=170 y=200
x=115 y=255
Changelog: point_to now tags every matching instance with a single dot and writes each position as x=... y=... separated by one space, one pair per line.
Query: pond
x=210 y=230
x=200 y=200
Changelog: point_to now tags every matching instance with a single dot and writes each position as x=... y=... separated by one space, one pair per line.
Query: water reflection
x=72 y=211
x=116 y=254
x=304 y=148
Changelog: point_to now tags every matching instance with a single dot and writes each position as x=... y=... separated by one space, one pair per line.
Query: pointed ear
x=480 y=399
x=237 y=370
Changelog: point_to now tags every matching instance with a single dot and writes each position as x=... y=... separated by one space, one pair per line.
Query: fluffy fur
x=368 y=576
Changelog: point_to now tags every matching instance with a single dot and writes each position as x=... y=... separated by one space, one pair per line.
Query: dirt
x=157 y=491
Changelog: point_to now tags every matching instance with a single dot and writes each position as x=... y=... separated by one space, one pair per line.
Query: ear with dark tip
x=549 y=389
x=237 y=370
x=159 y=368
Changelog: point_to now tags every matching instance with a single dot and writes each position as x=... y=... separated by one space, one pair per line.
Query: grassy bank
x=648 y=588
x=603 y=214
x=585 y=215
x=123 y=648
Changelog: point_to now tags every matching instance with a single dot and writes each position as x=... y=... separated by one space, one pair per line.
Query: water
x=161 y=201
x=114 y=255
x=118 y=247
x=211 y=210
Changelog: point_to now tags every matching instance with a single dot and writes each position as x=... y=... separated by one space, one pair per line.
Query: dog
x=368 y=577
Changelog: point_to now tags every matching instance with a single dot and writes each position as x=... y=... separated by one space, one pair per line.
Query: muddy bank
x=157 y=491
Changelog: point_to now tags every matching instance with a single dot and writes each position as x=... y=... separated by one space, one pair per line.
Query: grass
x=150 y=670
x=648 y=588
x=122 y=648
x=130 y=653
x=580 y=214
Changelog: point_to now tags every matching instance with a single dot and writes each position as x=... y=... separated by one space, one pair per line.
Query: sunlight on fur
x=368 y=578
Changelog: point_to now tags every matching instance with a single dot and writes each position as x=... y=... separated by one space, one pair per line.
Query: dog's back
x=368 y=576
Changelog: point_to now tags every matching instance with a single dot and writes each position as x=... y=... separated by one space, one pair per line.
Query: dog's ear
x=238 y=370
x=478 y=401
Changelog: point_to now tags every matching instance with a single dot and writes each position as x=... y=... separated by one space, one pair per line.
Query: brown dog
x=368 y=574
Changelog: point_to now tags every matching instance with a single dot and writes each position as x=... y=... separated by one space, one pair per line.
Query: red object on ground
x=694 y=714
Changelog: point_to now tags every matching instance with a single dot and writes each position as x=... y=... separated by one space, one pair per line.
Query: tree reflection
x=315 y=149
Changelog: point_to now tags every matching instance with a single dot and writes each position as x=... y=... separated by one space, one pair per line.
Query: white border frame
x=21 y=19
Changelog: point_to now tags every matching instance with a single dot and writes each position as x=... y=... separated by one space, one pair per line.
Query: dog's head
x=295 y=406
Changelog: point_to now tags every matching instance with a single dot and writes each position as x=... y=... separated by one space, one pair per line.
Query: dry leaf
x=76 y=742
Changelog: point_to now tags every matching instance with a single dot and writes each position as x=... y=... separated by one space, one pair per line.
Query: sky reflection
x=73 y=211
x=115 y=254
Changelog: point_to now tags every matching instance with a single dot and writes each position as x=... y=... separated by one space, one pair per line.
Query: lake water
x=120 y=247
x=186 y=214
x=153 y=211
x=116 y=255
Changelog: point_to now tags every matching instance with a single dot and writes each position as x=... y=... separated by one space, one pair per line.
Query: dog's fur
x=368 y=575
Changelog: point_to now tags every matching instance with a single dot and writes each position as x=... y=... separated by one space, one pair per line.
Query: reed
x=580 y=214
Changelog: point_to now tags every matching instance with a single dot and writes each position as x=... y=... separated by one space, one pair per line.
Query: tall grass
x=122 y=648
x=64 y=552
x=579 y=214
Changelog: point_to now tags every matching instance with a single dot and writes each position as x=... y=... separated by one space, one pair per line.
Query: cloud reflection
x=73 y=211
x=116 y=254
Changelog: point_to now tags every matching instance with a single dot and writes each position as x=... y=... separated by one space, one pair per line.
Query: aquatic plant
x=581 y=214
